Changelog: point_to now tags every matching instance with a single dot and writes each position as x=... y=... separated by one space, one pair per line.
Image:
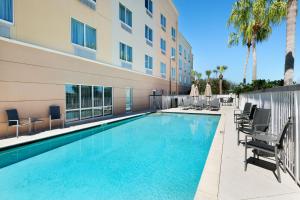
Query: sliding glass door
x=128 y=93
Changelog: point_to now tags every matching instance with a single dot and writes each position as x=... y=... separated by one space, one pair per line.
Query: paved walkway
x=256 y=183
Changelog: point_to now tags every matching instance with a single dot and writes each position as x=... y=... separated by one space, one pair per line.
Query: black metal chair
x=246 y=119
x=269 y=143
x=14 y=121
x=55 y=115
x=260 y=122
x=245 y=111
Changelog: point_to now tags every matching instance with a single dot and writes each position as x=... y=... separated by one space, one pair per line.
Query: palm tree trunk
x=254 y=67
x=221 y=86
x=246 y=64
x=290 y=42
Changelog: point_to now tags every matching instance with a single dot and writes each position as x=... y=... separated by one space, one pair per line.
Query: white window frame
x=126 y=53
x=147 y=10
x=124 y=23
x=163 y=26
x=163 y=74
x=165 y=45
x=148 y=33
x=84 y=37
x=7 y=23
x=147 y=62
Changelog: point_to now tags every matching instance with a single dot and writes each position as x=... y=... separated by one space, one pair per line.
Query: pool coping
x=208 y=187
x=10 y=143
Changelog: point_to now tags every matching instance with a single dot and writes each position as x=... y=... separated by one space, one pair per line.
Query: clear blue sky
x=203 y=23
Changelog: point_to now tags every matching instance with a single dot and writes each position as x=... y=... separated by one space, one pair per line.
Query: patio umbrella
x=194 y=92
x=208 y=92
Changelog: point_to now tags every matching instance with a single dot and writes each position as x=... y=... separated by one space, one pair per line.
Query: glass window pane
x=72 y=115
x=98 y=112
x=128 y=17
x=72 y=97
x=86 y=96
x=77 y=33
x=150 y=6
x=98 y=96
x=129 y=54
x=90 y=34
x=128 y=99
x=107 y=96
x=122 y=13
x=6 y=10
x=122 y=51
x=86 y=113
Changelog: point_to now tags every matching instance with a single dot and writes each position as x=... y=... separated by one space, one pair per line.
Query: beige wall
x=48 y=24
x=31 y=79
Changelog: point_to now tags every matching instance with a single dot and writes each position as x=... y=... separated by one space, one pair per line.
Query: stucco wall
x=32 y=78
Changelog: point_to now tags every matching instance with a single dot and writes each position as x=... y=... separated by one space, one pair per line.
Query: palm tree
x=208 y=73
x=221 y=69
x=265 y=14
x=290 y=41
x=240 y=19
x=215 y=72
x=253 y=20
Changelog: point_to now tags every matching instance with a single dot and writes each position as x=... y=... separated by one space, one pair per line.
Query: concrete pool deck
x=223 y=176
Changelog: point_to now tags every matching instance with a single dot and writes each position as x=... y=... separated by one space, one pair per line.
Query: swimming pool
x=157 y=156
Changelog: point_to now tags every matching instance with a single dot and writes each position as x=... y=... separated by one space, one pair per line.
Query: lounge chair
x=222 y=101
x=215 y=105
x=260 y=122
x=247 y=110
x=55 y=115
x=269 y=143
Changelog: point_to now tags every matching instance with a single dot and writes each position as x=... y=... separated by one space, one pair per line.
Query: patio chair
x=55 y=115
x=268 y=143
x=229 y=101
x=200 y=104
x=260 y=122
x=246 y=110
x=215 y=105
x=246 y=119
x=222 y=101
x=13 y=120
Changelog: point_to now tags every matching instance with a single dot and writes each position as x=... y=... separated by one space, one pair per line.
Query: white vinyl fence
x=165 y=102
x=284 y=103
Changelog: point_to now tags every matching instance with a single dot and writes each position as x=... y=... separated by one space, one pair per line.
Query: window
x=163 y=45
x=83 y=35
x=148 y=62
x=129 y=97
x=180 y=75
x=163 y=69
x=180 y=49
x=6 y=10
x=173 y=33
x=180 y=64
x=125 y=52
x=107 y=100
x=98 y=100
x=125 y=15
x=83 y=101
x=184 y=54
x=173 y=73
x=148 y=33
x=86 y=102
x=149 y=6
x=173 y=53
x=163 y=22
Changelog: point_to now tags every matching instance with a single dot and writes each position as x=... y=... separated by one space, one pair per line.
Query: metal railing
x=284 y=102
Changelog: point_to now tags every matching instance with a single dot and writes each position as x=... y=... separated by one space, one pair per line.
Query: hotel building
x=93 y=58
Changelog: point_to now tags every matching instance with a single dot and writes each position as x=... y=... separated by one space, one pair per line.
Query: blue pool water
x=159 y=156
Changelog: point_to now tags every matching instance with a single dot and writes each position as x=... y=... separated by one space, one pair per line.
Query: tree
x=240 y=19
x=215 y=72
x=253 y=21
x=221 y=69
x=292 y=8
x=265 y=14
x=208 y=73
